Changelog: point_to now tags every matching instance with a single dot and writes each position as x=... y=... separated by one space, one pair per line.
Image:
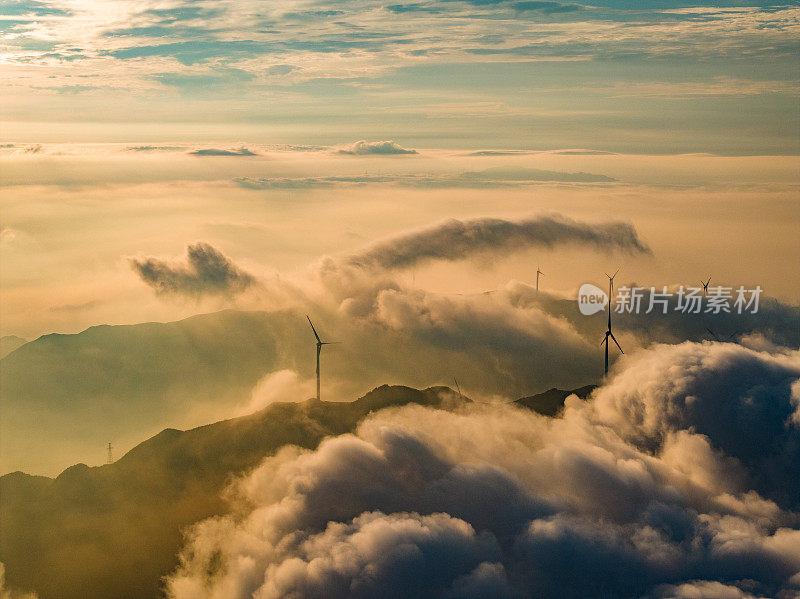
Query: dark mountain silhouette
x=115 y=530
x=551 y=402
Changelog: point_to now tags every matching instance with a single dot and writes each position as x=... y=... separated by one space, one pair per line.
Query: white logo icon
x=591 y=299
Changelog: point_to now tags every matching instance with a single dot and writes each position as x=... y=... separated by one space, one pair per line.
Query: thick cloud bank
x=207 y=272
x=653 y=488
x=455 y=240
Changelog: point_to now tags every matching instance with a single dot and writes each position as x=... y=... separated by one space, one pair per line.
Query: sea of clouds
x=678 y=478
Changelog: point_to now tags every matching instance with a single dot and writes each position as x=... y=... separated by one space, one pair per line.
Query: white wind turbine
x=320 y=343
x=538 y=272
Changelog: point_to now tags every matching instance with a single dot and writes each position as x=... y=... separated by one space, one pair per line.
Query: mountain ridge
x=123 y=521
x=10 y=343
x=551 y=402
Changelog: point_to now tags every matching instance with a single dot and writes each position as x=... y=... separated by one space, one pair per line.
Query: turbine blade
x=617 y=342
x=313 y=329
x=605 y=339
x=713 y=334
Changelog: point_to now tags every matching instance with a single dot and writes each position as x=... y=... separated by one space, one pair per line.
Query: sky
x=184 y=182
x=629 y=77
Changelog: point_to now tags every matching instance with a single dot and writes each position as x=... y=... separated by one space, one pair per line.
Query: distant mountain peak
x=551 y=402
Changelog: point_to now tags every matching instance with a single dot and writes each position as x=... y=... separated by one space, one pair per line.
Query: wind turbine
x=705 y=286
x=320 y=343
x=538 y=272
x=608 y=332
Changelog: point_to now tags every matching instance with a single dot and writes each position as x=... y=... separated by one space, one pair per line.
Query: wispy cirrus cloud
x=358 y=64
x=521 y=174
x=223 y=152
x=32 y=8
x=155 y=148
x=492 y=177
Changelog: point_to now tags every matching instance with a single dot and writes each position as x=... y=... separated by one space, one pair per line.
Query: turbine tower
x=608 y=332
x=538 y=272
x=705 y=286
x=110 y=455
x=320 y=343
x=461 y=397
